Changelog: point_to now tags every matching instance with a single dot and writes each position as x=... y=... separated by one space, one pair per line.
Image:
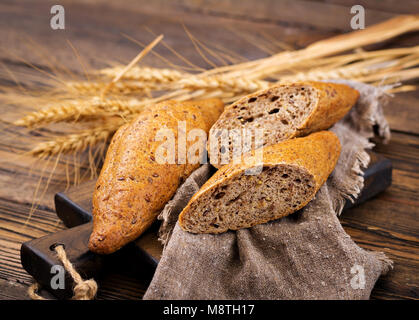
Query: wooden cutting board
x=74 y=208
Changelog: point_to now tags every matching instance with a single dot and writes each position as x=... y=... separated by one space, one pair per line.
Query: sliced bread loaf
x=293 y=171
x=283 y=111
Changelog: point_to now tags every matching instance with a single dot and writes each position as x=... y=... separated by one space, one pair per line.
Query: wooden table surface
x=252 y=29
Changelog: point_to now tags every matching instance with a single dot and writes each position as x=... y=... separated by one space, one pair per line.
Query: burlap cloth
x=306 y=255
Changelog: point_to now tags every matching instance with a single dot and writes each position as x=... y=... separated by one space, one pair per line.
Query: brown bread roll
x=293 y=171
x=134 y=185
x=283 y=111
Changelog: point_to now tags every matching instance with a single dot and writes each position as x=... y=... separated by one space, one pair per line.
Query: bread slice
x=283 y=111
x=293 y=171
x=133 y=186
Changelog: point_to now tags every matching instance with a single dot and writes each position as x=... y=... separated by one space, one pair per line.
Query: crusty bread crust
x=133 y=187
x=332 y=102
x=316 y=154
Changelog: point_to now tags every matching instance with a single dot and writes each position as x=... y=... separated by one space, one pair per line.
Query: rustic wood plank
x=392 y=6
x=12 y=291
x=388 y=223
x=96 y=32
x=401 y=112
x=323 y=14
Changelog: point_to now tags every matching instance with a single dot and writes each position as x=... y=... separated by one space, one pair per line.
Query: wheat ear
x=75 y=142
x=81 y=110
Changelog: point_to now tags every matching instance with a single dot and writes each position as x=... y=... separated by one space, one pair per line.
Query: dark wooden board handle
x=377 y=178
x=140 y=256
x=38 y=257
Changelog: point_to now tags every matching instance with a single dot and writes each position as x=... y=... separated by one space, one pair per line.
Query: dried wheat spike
x=75 y=142
x=79 y=110
x=156 y=75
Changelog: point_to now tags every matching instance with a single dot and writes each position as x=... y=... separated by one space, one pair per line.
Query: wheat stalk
x=225 y=82
x=392 y=77
x=357 y=70
x=234 y=85
x=320 y=74
x=360 y=55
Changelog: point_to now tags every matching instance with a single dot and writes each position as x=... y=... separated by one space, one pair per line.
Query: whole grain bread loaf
x=283 y=111
x=134 y=185
x=293 y=171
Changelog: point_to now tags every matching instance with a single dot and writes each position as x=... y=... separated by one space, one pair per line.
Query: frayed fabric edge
x=352 y=187
x=376 y=97
x=386 y=262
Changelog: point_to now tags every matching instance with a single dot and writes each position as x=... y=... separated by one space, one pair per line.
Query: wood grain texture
x=389 y=222
x=95 y=28
x=326 y=15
